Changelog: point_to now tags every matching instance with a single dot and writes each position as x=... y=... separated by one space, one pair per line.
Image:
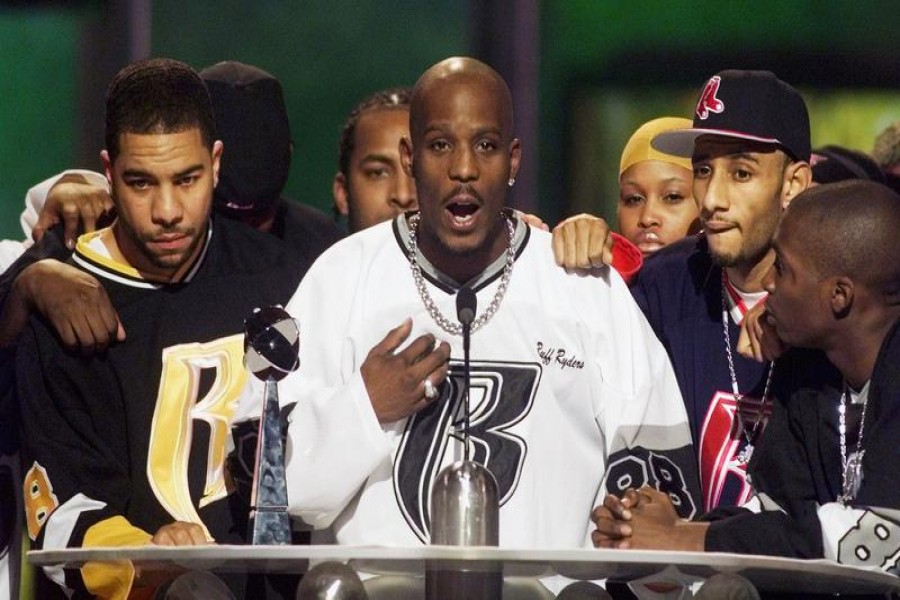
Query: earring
x=511 y=182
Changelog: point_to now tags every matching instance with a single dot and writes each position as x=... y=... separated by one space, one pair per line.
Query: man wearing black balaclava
x=252 y=122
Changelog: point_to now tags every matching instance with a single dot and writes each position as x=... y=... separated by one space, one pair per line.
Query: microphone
x=466 y=301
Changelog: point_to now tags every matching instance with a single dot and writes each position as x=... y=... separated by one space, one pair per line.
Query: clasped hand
x=644 y=519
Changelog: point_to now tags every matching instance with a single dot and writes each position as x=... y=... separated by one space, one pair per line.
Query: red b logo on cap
x=708 y=102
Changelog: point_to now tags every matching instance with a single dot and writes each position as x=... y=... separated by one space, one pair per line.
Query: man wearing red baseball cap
x=750 y=148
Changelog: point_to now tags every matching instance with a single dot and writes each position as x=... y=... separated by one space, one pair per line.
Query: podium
x=767 y=573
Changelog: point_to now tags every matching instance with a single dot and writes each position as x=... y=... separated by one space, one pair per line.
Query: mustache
x=705 y=217
x=463 y=190
x=170 y=230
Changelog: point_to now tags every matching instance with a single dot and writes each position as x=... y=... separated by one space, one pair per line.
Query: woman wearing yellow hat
x=656 y=203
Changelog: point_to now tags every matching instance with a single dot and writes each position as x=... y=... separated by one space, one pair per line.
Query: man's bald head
x=464 y=158
x=850 y=228
x=456 y=70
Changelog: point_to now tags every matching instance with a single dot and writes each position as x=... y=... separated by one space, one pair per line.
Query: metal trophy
x=331 y=581
x=464 y=506
x=271 y=346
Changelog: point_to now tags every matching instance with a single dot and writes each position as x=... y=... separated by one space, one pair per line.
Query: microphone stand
x=464 y=505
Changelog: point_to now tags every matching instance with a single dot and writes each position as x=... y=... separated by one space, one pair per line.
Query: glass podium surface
x=767 y=573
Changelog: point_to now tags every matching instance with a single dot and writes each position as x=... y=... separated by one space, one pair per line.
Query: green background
x=605 y=67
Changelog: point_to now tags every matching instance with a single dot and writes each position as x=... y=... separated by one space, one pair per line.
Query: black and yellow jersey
x=119 y=444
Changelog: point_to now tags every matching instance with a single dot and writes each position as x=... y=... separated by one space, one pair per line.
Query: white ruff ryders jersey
x=569 y=385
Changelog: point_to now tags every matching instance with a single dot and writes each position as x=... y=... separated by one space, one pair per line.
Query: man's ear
x=797 y=177
x=842 y=294
x=406 y=156
x=218 y=148
x=515 y=157
x=340 y=195
x=107 y=167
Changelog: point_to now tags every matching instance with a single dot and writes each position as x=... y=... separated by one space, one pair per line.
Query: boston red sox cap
x=750 y=105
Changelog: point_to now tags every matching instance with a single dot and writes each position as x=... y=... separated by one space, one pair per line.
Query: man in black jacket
x=128 y=447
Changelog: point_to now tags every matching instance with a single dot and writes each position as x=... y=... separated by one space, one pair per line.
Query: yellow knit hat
x=638 y=148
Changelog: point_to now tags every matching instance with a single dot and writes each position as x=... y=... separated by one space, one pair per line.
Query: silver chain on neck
x=750 y=432
x=851 y=469
x=453 y=327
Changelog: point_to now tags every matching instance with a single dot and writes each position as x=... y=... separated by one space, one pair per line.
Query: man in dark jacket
x=251 y=120
x=824 y=474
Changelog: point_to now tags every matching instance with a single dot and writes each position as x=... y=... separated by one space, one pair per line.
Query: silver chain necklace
x=453 y=327
x=750 y=433
x=851 y=469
